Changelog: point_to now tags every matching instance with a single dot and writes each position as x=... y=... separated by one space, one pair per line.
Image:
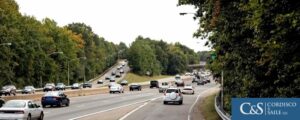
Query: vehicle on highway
x=8 y=90
x=118 y=74
x=75 y=86
x=154 y=83
x=116 y=88
x=124 y=82
x=179 y=81
x=60 y=86
x=2 y=101
x=121 y=71
x=21 y=110
x=112 y=79
x=49 y=87
x=28 y=90
x=55 y=98
x=113 y=72
x=135 y=86
x=107 y=77
x=188 y=89
x=173 y=95
x=87 y=85
x=111 y=84
x=100 y=82
x=163 y=87
x=200 y=82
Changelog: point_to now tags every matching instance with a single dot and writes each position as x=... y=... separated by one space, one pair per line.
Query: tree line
x=256 y=43
x=153 y=57
x=36 y=52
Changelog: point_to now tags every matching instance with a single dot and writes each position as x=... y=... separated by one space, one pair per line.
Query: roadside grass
x=134 y=78
x=208 y=108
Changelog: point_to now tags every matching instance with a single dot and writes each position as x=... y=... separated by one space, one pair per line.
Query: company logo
x=265 y=108
x=247 y=109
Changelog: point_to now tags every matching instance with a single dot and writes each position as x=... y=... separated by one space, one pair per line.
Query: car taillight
x=178 y=94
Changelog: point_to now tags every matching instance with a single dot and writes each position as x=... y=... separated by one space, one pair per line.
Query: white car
x=188 y=89
x=173 y=95
x=164 y=86
x=21 y=109
x=116 y=88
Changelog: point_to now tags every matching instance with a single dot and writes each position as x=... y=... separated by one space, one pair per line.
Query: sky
x=122 y=20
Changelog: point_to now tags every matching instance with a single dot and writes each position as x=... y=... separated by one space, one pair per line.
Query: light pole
x=50 y=55
x=69 y=67
x=3 y=44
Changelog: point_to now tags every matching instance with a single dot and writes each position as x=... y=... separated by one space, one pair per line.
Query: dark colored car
x=49 y=87
x=55 y=98
x=118 y=74
x=60 y=86
x=154 y=83
x=87 y=85
x=8 y=90
x=200 y=82
x=28 y=90
x=133 y=87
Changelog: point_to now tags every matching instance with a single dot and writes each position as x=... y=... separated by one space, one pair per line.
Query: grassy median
x=208 y=108
x=134 y=78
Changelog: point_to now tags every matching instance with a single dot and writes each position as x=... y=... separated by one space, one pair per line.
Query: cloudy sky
x=122 y=20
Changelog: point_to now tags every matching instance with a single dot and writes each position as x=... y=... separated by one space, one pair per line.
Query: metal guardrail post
x=220 y=111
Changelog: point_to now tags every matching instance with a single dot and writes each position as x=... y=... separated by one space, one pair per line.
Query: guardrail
x=220 y=111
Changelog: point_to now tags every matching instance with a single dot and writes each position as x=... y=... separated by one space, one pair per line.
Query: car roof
x=173 y=88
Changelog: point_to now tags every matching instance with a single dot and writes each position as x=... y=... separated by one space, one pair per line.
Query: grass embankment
x=134 y=78
x=208 y=108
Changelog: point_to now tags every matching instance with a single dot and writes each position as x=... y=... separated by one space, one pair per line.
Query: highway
x=137 y=105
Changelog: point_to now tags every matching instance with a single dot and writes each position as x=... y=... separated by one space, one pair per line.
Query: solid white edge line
x=131 y=112
x=111 y=109
x=191 y=108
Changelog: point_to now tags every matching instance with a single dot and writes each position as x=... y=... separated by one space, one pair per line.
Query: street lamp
x=69 y=67
x=50 y=55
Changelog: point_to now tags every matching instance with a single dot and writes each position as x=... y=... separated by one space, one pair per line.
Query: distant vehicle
x=21 y=109
x=164 y=86
x=49 y=87
x=116 y=88
x=179 y=81
x=107 y=77
x=55 y=98
x=200 y=82
x=188 y=89
x=8 y=90
x=188 y=74
x=75 y=86
x=113 y=73
x=118 y=74
x=119 y=67
x=100 y=82
x=87 y=85
x=135 y=86
x=112 y=79
x=60 y=86
x=173 y=95
x=2 y=101
x=154 y=83
x=28 y=90
x=121 y=71
x=124 y=82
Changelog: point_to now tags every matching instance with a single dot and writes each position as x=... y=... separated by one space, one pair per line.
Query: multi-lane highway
x=138 y=105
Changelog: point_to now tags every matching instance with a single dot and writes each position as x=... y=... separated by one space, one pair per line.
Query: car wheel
x=180 y=102
x=29 y=117
x=41 y=116
x=165 y=102
x=44 y=106
x=68 y=103
x=60 y=104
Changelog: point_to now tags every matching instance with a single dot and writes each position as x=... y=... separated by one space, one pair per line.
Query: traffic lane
x=81 y=106
x=156 y=110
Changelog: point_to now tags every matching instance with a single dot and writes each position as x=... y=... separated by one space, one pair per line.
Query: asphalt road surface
x=148 y=105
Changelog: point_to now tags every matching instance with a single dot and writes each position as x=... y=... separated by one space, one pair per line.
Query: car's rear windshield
x=172 y=90
x=15 y=104
x=153 y=81
x=51 y=94
x=164 y=83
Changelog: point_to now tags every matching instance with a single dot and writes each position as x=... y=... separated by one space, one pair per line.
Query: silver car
x=173 y=95
x=21 y=109
x=116 y=88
